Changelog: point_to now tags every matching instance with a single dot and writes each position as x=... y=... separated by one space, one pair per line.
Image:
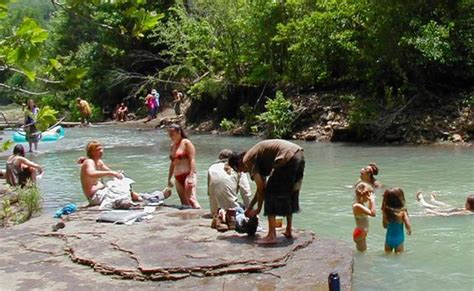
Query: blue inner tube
x=53 y=134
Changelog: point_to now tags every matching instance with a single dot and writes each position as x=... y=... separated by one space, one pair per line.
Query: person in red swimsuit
x=183 y=166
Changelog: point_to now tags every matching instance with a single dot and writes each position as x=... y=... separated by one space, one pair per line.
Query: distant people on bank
x=93 y=169
x=20 y=170
x=156 y=95
x=183 y=166
x=122 y=112
x=223 y=184
x=367 y=175
x=150 y=105
x=84 y=110
x=177 y=100
x=114 y=114
x=395 y=217
x=364 y=193
x=283 y=163
x=32 y=135
x=436 y=207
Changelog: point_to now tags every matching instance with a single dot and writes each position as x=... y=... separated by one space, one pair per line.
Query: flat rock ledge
x=176 y=249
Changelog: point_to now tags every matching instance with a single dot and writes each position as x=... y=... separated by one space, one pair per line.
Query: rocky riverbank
x=325 y=117
x=338 y=116
x=173 y=249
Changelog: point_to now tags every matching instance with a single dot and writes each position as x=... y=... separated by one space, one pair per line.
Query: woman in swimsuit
x=395 y=215
x=19 y=169
x=183 y=166
x=367 y=176
x=364 y=193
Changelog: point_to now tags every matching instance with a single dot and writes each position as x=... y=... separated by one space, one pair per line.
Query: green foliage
x=23 y=48
x=278 y=117
x=30 y=199
x=54 y=101
x=109 y=50
x=208 y=87
x=7 y=211
x=432 y=41
x=226 y=124
x=322 y=43
x=45 y=118
x=362 y=113
x=6 y=145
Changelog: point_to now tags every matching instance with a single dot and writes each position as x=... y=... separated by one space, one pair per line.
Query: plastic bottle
x=334 y=282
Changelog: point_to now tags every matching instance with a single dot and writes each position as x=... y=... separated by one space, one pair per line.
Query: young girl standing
x=395 y=215
x=363 y=193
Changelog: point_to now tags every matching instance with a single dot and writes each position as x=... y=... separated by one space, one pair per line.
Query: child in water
x=395 y=215
x=367 y=175
x=363 y=193
x=440 y=208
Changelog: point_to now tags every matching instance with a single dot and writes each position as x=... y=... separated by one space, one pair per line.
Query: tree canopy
x=106 y=51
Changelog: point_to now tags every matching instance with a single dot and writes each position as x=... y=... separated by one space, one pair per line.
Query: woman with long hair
x=183 y=166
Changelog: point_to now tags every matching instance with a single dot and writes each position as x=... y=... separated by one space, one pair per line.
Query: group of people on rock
x=276 y=166
x=394 y=211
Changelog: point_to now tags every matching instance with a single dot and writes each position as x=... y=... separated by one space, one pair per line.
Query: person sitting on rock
x=92 y=170
x=20 y=170
x=122 y=112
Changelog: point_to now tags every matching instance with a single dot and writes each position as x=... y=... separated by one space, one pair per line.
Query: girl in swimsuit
x=364 y=193
x=183 y=166
x=395 y=216
x=367 y=176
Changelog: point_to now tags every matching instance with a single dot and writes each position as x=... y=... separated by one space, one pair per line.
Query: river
x=439 y=253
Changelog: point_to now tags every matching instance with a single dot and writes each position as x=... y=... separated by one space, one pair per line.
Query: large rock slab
x=175 y=249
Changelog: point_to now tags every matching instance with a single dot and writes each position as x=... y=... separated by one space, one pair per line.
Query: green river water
x=439 y=253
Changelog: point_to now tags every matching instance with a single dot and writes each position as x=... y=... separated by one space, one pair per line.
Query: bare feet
x=433 y=196
x=267 y=241
x=288 y=234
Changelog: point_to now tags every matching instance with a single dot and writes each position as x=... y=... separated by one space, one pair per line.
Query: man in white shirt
x=223 y=184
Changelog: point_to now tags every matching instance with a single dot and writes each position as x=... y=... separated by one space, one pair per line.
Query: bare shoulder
x=188 y=143
x=88 y=163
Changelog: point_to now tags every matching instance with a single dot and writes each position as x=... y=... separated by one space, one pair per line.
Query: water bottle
x=333 y=282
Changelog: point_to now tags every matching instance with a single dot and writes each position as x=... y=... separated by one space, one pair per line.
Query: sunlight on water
x=439 y=254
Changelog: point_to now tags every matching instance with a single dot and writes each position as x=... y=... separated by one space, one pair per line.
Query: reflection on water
x=439 y=254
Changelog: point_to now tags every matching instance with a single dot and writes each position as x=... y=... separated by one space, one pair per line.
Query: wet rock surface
x=174 y=249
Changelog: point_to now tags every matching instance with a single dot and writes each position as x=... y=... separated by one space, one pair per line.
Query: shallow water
x=439 y=253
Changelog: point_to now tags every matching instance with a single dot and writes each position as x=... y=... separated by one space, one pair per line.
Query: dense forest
x=274 y=65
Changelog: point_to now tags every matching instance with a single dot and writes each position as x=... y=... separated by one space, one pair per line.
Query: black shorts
x=283 y=187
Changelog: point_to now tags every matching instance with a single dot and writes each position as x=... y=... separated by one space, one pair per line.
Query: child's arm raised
x=358 y=208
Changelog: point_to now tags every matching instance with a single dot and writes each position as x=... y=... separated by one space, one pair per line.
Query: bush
x=279 y=116
x=30 y=200
x=227 y=125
